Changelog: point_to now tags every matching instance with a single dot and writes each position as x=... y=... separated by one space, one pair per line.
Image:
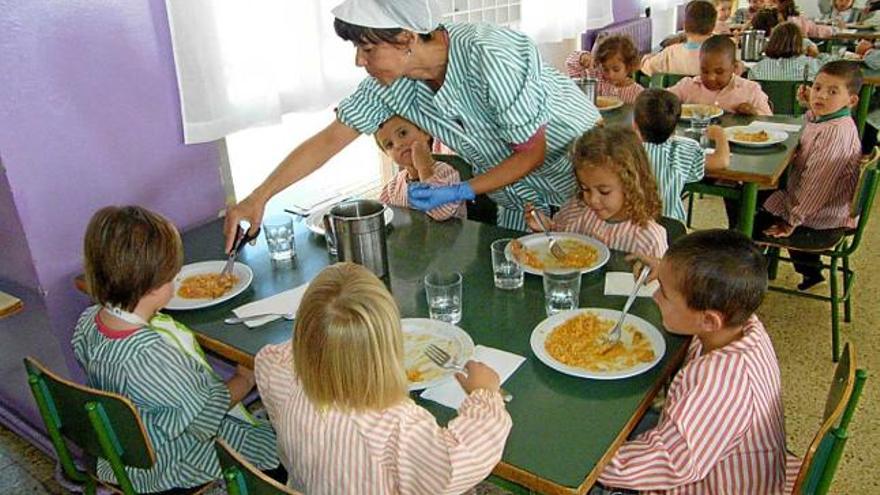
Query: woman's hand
x=424 y=197
x=478 y=376
x=249 y=209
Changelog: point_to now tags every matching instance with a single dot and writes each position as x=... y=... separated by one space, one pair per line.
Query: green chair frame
x=663 y=80
x=482 y=209
x=675 y=229
x=839 y=253
x=825 y=451
x=783 y=96
x=243 y=478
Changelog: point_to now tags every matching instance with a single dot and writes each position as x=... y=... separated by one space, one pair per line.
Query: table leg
x=747 y=207
x=864 y=104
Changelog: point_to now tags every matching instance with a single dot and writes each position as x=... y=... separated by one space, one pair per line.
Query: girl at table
x=337 y=394
x=618 y=202
x=125 y=346
x=785 y=57
x=616 y=59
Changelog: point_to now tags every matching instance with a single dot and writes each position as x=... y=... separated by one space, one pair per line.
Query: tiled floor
x=801 y=334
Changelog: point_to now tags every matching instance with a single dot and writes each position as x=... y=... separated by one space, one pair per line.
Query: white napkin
x=775 y=126
x=283 y=302
x=450 y=393
x=622 y=283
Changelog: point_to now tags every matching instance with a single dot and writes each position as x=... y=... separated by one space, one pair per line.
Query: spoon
x=242 y=319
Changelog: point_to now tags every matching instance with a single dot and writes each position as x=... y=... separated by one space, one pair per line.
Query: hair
x=129 y=251
x=360 y=35
x=765 y=20
x=720 y=44
x=619 y=149
x=376 y=134
x=621 y=45
x=656 y=114
x=700 y=17
x=786 y=41
x=347 y=341
x=719 y=270
x=849 y=71
x=787 y=8
x=834 y=5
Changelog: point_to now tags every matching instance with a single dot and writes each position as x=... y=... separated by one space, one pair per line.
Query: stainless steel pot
x=358 y=230
x=752 y=45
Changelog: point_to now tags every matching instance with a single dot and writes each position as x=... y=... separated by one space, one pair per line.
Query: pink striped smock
x=575 y=216
x=627 y=94
x=394 y=192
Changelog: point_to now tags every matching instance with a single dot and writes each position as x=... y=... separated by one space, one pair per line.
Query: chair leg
x=847 y=290
x=91 y=487
x=773 y=262
x=690 y=209
x=835 y=311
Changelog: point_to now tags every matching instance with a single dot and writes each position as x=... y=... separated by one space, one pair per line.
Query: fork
x=613 y=337
x=555 y=249
x=444 y=360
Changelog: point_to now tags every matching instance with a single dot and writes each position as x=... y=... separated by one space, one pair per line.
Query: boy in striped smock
x=674 y=160
x=337 y=394
x=127 y=347
x=722 y=428
x=409 y=147
x=684 y=58
x=618 y=201
x=785 y=57
x=616 y=59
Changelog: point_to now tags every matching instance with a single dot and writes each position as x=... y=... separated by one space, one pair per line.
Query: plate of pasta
x=583 y=253
x=571 y=342
x=418 y=334
x=604 y=103
x=692 y=110
x=199 y=285
x=754 y=137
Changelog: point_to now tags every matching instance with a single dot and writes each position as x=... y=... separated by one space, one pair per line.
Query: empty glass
x=562 y=290
x=508 y=273
x=279 y=237
x=443 y=291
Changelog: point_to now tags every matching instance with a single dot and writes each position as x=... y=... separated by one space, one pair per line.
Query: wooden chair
x=836 y=244
x=100 y=423
x=243 y=478
x=482 y=209
x=783 y=96
x=826 y=449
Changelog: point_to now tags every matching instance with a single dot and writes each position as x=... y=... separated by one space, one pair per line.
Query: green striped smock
x=675 y=162
x=183 y=406
x=785 y=69
x=497 y=93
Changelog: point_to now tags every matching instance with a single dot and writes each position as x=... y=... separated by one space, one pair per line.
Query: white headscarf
x=419 y=16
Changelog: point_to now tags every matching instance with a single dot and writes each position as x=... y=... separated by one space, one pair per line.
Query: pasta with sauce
x=206 y=286
x=579 y=342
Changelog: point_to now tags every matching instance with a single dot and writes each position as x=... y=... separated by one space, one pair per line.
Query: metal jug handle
x=328 y=230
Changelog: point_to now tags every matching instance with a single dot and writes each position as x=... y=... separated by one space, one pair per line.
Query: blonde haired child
x=618 y=201
x=125 y=346
x=617 y=58
x=337 y=394
x=409 y=147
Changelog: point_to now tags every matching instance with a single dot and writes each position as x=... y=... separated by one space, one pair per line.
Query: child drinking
x=337 y=394
x=684 y=58
x=617 y=59
x=744 y=15
x=785 y=57
x=125 y=346
x=618 y=201
x=409 y=147
x=718 y=85
x=722 y=428
x=723 y=9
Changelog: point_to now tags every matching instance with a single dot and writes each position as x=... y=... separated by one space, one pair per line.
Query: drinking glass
x=279 y=237
x=443 y=290
x=508 y=273
x=562 y=290
x=699 y=123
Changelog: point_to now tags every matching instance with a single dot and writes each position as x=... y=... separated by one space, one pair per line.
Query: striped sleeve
x=651 y=240
x=689 y=160
x=444 y=175
x=872 y=59
x=573 y=64
x=364 y=110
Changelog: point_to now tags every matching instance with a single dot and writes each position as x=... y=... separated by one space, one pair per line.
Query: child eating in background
x=722 y=428
x=722 y=23
x=617 y=59
x=744 y=15
x=842 y=12
x=618 y=201
x=785 y=57
x=684 y=58
x=337 y=394
x=718 y=85
x=409 y=147
x=126 y=347
x=789 y=12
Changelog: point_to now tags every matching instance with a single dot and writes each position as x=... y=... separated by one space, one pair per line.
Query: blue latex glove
x=424 y=197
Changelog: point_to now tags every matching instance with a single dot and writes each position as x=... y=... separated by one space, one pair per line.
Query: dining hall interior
x=410 y=177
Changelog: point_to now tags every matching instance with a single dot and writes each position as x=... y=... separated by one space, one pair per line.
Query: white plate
x=616 y=103
x=775 y=137
x=540 y=243
x=718 y=112
x=418 y=333
x=315 y=221
x=546 y=327
x=240 y=270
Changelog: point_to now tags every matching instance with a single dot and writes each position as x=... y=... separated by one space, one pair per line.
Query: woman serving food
x=483 y=90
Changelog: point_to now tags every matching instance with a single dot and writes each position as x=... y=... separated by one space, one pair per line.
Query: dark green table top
x=762 y=166
x=563 y=426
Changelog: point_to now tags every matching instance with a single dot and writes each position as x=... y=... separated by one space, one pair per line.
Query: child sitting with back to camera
x=410 y=148
x=785 y=57
x=615 y=61
x=337 y=395
x=127 y=347
x=684 y=58
x=722 y=428
x=718 y=85
x=674 y=160
x=618 y=201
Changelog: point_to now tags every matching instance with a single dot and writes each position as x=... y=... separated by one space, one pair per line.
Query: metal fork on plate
x=444 y=360
x=555 y=249
x=613 y=337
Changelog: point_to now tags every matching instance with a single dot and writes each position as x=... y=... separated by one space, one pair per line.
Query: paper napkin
x=622 y=283
x=775 y=126
x=283 y=302
x=450 y=393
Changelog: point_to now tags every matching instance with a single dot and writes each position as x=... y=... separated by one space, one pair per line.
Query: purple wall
x=625 y=10
x=90 y=116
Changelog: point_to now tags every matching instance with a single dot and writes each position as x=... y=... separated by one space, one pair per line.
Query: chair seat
x=806 y=239
x=195 y=490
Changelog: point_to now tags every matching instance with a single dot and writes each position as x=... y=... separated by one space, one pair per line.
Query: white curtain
x=241 y=64
x=550 y=21
x=663 y=19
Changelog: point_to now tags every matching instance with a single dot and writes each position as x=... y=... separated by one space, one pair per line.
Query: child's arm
x=443 y=175
x=720 y=158
x=535 y=225
x=577 y=62
x=423 y=161
x=240 y=384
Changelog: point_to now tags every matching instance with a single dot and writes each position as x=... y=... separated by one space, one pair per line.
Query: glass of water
x=699 y=123
x=508 y=273
x=443 y=290
x=279 y=237
x=562 y=290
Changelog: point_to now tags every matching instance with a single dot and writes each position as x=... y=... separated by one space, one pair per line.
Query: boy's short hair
x=720 y=44
x=786 y=41
x=700 y=17
x=129 y=251
x=347 y=341
x=765 y=20
x=720 y=270
x=656 y=114
x=623 y=45
x=851 y=72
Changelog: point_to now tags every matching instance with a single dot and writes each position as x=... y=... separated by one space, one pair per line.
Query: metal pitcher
x=357 y=228
x=752 y=45
x=588 y=86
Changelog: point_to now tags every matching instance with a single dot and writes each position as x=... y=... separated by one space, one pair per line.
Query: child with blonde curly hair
x=618 y=201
